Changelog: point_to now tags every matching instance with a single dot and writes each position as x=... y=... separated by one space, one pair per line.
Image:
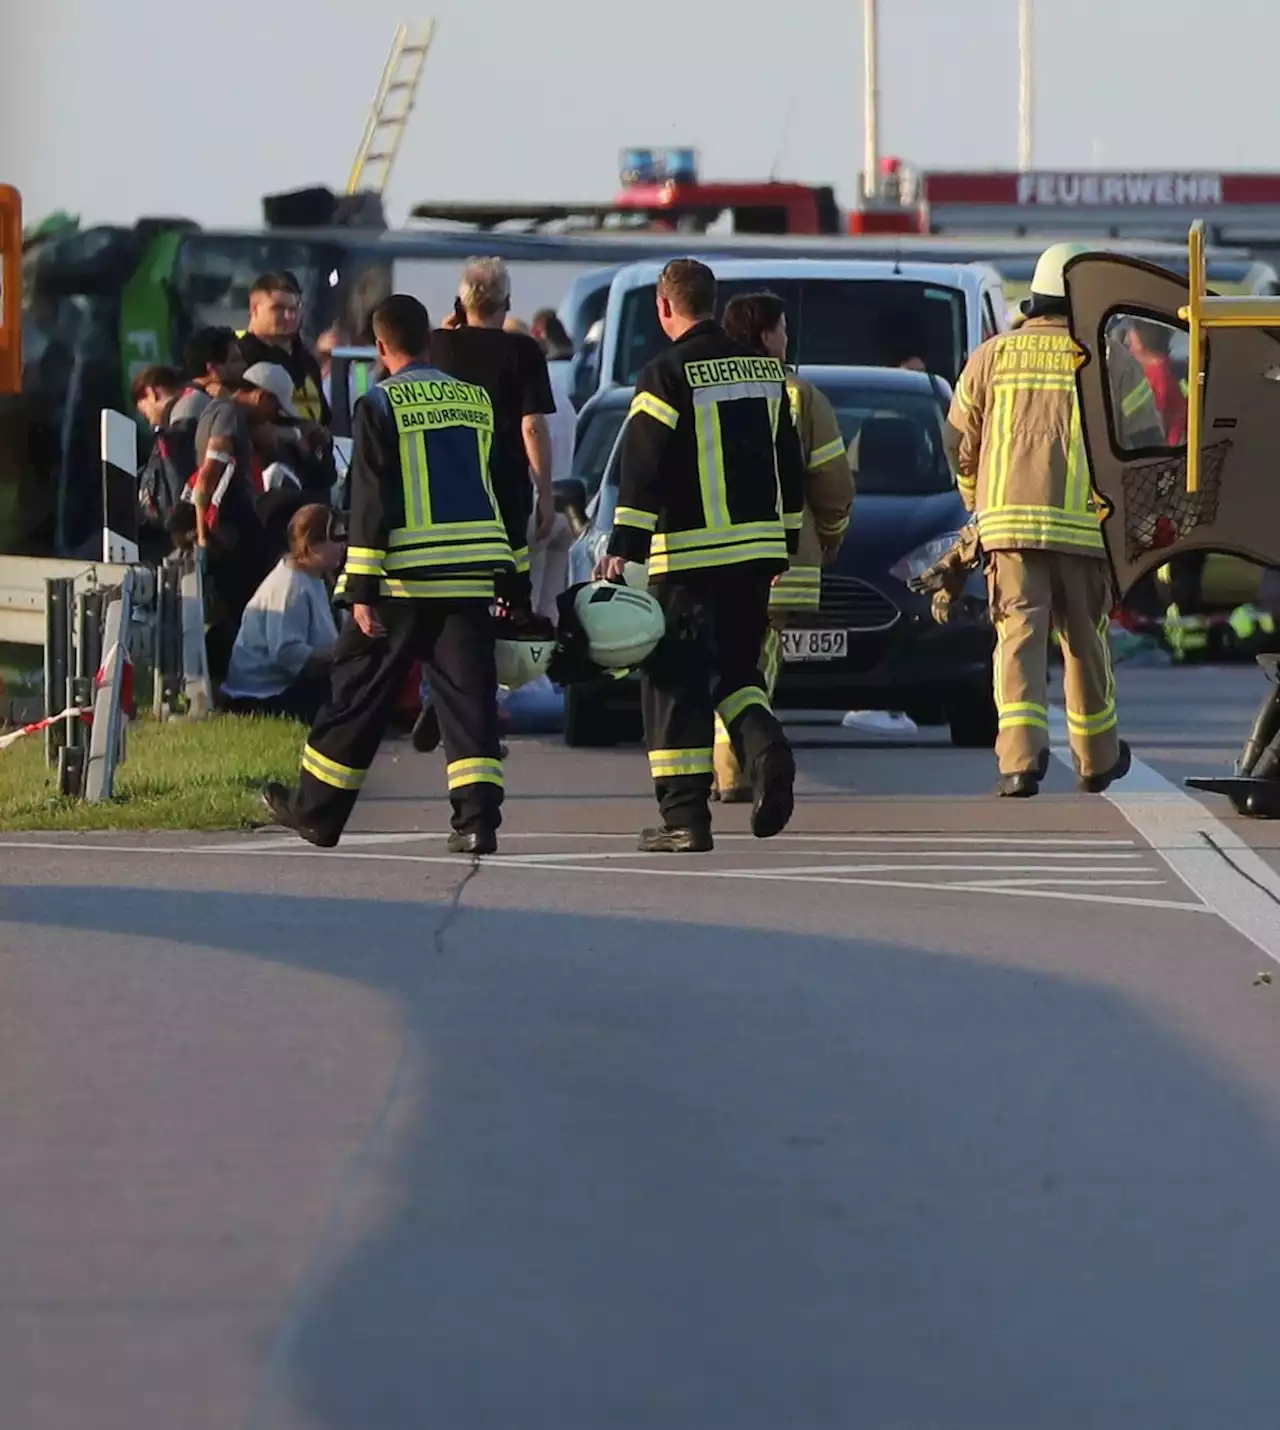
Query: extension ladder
x=389 y=113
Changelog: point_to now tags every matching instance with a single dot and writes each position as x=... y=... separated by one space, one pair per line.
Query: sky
x=112 y=109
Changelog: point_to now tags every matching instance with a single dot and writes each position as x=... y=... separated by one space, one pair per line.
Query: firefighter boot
x=479 y=841
x=1026 y=783
x=670 y=839
x=773 y=778
x=278 y=800
x=1096 y=784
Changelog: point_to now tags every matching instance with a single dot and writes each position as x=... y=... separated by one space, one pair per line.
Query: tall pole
x=1024 y=85
x=870 y=99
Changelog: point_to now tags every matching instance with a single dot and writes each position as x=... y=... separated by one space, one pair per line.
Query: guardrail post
x=106 y=739
x=57 y=661
x=195 y=657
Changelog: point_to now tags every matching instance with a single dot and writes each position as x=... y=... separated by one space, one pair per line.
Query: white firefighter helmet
x=622 y=626
x=1047 y=281
x=522 y=659
x=636 y=575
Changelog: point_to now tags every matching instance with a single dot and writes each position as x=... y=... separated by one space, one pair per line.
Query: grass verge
x=180 y=774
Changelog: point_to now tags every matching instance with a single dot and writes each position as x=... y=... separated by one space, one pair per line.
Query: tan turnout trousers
x=1032 y=594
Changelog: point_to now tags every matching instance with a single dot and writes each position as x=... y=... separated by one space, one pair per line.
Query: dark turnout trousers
x=1034 y=593
x=709 y=665
x=454 y=641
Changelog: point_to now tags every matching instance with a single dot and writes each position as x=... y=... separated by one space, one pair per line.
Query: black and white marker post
x=119 y=447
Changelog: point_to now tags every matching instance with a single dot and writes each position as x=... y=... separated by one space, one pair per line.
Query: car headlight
x=916 y=563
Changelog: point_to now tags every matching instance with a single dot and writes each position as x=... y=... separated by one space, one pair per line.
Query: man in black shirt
x=275 y=311
x=512 y=369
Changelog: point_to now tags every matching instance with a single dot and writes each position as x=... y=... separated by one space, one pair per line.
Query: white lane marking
x=1087 y=883
x=1232 y=878
x=656 y=869
x=1046 y=869
x=907 y=858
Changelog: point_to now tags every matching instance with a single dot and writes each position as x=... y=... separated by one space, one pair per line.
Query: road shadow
x=670 y=1177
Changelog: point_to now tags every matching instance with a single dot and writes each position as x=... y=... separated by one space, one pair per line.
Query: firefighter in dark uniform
x=430 y=545
x=712 y=497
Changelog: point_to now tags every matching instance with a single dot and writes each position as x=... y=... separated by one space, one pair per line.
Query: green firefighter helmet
x=522 y=659
x=622 y=625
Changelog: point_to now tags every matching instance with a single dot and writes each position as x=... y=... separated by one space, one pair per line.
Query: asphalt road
x=938 y=1113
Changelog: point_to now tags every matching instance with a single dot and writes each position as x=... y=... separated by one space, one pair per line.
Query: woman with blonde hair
x=283 y=654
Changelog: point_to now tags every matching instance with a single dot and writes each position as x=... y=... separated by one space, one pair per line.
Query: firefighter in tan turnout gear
x=759 y=320
x=1016 y=438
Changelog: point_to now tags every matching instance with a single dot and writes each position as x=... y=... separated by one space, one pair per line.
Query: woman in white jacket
x=283 y=654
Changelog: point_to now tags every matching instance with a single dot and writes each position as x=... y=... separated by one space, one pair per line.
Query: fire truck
x=662 y=191
x=1240 y=210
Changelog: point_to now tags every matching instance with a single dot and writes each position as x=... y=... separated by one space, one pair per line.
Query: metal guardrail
x=23 y=591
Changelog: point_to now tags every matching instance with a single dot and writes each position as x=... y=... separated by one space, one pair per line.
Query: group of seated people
x=243 y=426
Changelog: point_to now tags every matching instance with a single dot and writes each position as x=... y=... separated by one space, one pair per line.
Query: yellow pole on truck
x=10 y=290
x=1203 y=312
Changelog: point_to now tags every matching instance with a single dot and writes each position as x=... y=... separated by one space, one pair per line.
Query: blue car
x=873 y=643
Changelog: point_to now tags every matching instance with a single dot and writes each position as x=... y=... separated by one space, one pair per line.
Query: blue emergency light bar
x=658 y=166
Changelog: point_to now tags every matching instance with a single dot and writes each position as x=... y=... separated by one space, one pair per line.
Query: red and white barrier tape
x=36 y=726
x=84 y=713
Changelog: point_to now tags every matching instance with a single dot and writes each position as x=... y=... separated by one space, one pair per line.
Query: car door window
x=989 y=325
x=1146 y=383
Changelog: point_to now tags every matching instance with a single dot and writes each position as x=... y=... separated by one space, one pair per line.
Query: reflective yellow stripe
x=1036 y=526
x=1001 y=437
x=712 y=536
x=714 y=556
x=419 y=536
x=838 y=527
x=1076 y=498
x=1035 y=381
x=479 y=588
x=475 y=772
x=633 y=516
x=1136 y=400
x=792 y=520
x=733 y=706
x=364 y=561
x=962 y=398
x=414 y=479
x=771 y=660
x=672 y=764
x=715 y=498
x=655 y=407
x=1023 y=722
x=521 y=558
x=1022 y=715
x=828 y=453
x=485 y=443
x=800 y=588
x=485 y=553
x=775 y=415
x=1097 y=724
x=330 y=772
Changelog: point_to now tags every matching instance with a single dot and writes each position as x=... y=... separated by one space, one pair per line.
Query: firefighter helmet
x=622 y=626
x=522 y=659
x=1047 y=281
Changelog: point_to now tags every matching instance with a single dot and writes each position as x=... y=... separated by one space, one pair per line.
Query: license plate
x=814 y=645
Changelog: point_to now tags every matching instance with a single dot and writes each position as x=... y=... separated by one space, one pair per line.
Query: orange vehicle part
x=10 y=290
